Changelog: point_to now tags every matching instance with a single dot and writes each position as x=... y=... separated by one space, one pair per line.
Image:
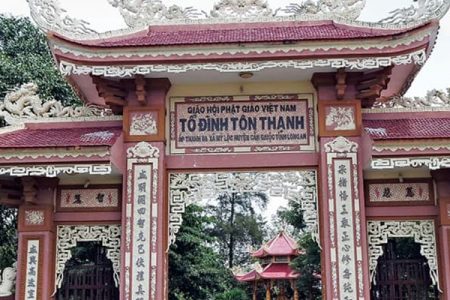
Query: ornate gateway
x=303 y=104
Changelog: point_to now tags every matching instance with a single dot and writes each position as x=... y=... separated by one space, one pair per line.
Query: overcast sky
x=103 y=17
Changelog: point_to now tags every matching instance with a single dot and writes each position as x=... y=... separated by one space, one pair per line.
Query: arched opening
x=88 y=275
x=220 y=222
x=403 y=273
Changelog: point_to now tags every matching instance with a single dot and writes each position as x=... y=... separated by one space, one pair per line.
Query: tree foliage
x=237 y=225
x=25 y=57
x=292 y=215
x=8 y=236
x=307 y=264
x=196 y=271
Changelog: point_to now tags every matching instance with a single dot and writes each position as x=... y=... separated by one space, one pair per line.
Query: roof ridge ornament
x=433 y=99
x=139 y=14
x=24 y=103
x=241 y=9
x=49 y=16
x=348 y=9
x=422 y=10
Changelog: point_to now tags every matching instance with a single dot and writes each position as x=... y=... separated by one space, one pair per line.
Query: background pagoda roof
x=281 y=245
x=271 y=271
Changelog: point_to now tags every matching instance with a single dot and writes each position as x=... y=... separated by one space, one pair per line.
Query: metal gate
x=89 y=277
x=403 y=273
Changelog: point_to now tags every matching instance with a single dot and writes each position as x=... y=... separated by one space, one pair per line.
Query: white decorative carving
x=433 y=98
x=418 y=146
x=25 y=104
x=346 y=9
x=69 y=235
x=188 y=188
x=341 y=145
x=376 y=131
x=54 y=170
x=141 y=13
x=54 y=153
x=419 y=11
x=143 y=150
x=49 y=15
x=433 y=163
x=143 y=124
x=241 y=9
x=417 y=57
x=34 y=217
x=422 y=231
x=7 y=281
x=103 y=136
x=341 y=118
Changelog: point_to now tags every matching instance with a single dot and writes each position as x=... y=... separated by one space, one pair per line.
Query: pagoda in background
x=273 y=267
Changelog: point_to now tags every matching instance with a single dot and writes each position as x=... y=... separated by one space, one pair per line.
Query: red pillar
x=345 y=274
x=143 y=219
x=35 y=263
x=442 y=179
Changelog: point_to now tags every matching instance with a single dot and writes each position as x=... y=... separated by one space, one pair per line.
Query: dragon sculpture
x=24 y=103
x=139 y=14
x=419 y=11
x=433 y=98
x=350 y=9
x=8 y=282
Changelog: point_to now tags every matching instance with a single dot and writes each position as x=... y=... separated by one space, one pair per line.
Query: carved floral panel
x=143 y=123
x=340 y=118
x=34 y=217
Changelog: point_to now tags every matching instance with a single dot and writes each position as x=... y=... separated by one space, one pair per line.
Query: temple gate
x=173 y=108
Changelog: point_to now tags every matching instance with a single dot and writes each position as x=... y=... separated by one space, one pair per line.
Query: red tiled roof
x=431 y=128
x=238 y=33
x=281 y=245
x=66 y=137
x=272 y=271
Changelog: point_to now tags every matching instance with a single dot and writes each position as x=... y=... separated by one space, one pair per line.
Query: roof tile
x=431 y=128
x=66 y=137
x=236 y=33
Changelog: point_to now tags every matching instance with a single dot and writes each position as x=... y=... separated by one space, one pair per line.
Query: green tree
x=25 y=57
x=292 y=215
x=8 y=236
x=195 y=270
x=237 y=225
x=233 y=294
x=307 y=264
